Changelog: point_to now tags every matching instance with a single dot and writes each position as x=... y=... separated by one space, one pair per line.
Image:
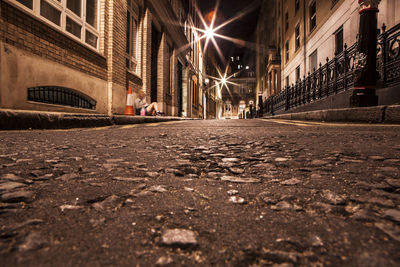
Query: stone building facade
x=83 y=55
x=304 y=33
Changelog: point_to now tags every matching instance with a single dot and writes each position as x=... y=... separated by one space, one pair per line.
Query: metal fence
x=337 y=75
x=389 y=56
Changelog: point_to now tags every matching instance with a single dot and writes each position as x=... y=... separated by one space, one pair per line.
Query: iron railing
x=389 y=56
x=60 y=96
x=337 y=75
x=333 y=77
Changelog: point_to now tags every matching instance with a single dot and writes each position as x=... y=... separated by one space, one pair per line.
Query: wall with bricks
x=36 y=54
x=25 y=32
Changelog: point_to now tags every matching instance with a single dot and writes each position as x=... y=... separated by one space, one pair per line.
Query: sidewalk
x=23 y=120
x=378 y=114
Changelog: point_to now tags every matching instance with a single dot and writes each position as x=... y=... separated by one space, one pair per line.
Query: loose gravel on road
x=201 y=193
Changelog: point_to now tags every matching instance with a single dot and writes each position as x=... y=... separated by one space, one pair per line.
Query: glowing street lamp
x=223 y=80
x=209 y=32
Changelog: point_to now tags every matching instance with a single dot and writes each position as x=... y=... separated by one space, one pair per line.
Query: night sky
x=242 y=28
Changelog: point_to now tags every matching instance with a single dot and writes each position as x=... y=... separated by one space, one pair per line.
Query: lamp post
x=364 y=92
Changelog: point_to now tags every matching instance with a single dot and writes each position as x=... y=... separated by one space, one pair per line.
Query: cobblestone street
x=202 y=193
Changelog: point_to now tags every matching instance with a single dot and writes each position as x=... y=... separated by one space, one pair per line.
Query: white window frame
x=61 y=6
x=132 y=56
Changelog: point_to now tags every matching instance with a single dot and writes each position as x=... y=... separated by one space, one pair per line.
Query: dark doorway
x=155 y=45
x=180 y=89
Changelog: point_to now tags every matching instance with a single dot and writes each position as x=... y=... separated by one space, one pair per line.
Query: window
x=286 y=21
x=339 y=41
x=297 y=32
x=296 y=5
x=287 y=51
x=313 y=15
x=131 y=36
x=77 y=18
x=287 y=80
x=27 y=3
x=297 y=73
x=74 y=6
x=50 y=12
x=314 y=60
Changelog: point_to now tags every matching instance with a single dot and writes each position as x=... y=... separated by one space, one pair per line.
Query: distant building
x=81 y=56
x=213 y=89
x=294 y=37
x=242 y=87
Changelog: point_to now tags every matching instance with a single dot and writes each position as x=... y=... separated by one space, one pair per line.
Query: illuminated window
x=77 y=18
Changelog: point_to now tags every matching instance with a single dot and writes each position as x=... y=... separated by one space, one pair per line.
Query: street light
x=209 y=32
x=223 y=80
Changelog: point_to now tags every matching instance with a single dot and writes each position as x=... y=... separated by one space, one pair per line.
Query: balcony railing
x=333 y=77
x=389 y=56
x=337 y=75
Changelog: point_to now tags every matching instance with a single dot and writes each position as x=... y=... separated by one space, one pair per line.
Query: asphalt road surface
x=202 y=193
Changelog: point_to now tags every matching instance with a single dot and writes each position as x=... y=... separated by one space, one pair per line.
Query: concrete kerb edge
x=23 y=120
x=392 y=114
x=379 y=114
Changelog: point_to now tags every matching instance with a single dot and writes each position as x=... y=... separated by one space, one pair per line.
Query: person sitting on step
x=144 y=109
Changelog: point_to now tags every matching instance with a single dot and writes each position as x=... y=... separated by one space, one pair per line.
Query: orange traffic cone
x=129 y=103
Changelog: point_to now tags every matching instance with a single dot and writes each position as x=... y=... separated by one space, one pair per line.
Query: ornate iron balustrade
x=60 y=96
x=333 y=77
x=389 y=56
x=338 y=74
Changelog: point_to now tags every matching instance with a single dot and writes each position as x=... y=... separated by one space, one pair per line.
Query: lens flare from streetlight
x=223 y=81
x=209 y=32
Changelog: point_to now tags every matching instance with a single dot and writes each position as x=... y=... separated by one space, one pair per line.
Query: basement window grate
x=60 y=96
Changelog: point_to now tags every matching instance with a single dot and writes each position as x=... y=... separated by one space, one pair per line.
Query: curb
x=24 y=120
x=379 y=114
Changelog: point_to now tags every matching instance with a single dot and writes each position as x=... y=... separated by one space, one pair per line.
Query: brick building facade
x=82 y=55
